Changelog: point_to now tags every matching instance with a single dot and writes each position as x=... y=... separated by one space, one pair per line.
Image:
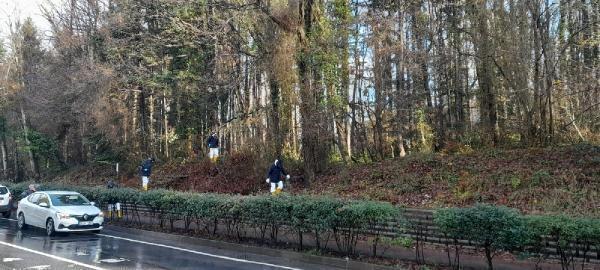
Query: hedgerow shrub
x=573 y=236
x=355 y=217
x=17 y=189
x=316 y=215
x=376 y=215
x=152 y=199
x=205 y=210
x=450 y=223
x=280 y=213
x=265 y=213
x=176 y=202
x=492 y=228
x=535 y=240
x=233 y=211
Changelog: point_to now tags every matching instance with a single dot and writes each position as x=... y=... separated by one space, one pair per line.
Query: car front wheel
x=50 y=227
x=21 y=222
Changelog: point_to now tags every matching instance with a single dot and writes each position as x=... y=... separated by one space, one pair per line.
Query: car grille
x=81 y=227
x=84 y=217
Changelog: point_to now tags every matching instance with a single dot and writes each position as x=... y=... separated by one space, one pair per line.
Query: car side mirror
x=45 y=205
x=93 y=203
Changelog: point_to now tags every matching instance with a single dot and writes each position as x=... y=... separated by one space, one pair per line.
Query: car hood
x=78 y=210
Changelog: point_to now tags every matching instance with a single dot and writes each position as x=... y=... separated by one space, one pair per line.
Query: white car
x=5 y=201
x=59 y=211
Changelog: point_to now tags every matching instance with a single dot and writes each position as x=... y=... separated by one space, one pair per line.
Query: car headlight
x=62 y=215
x=101 y=214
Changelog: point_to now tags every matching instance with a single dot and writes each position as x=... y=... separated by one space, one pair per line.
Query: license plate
x=85 y=223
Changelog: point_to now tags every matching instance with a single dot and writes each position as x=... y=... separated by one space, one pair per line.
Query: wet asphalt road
x=31 y=249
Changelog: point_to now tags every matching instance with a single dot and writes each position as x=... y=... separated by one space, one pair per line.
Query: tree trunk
x=422 y=60
x=274 y=130
x=488 y=256
x=166 y=122
x=485 y=76
x=151 y=124
x=134 y=122
x=308 y=103
x=549 y=72
x=294 y=130
x=65 y=145
x=4 y=159
x=341 y=116
x=355 y=89
x=17 y=173
x=27 y=142
x=380 y=71
x=82 y=144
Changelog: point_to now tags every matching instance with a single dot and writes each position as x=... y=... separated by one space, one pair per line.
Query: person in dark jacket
x=213 y=145
x=274 y=177
x=146 y=171
x=30 y=190
x=113 y=205
x=111 y=184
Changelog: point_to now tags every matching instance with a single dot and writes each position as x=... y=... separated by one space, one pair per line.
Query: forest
x=319 y=82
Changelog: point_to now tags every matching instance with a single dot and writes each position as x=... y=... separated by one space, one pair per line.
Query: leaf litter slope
x=562 y=179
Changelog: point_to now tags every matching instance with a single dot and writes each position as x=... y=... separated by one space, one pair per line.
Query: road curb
x=296 y=256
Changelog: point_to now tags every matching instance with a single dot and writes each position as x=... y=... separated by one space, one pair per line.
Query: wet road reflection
x=117 y=250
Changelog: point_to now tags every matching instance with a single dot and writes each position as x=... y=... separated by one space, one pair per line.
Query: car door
x=40 y=212
x=29 y=208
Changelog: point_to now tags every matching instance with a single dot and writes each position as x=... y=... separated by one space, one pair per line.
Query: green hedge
x=573 y=236
x=492 y=228
x=266 y=214
x=497 y=228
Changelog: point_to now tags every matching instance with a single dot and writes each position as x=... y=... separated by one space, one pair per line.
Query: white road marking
x=9 y=219
x=113 y=260
x=51 y=256
x=11 y=259
x=200 y=253
x=39 y=267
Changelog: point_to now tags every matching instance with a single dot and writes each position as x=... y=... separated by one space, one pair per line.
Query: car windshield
x=3 y=190
x=68 y=200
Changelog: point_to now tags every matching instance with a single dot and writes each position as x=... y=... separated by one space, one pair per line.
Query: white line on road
x=39 y=267
x=201 y=253
x=11 y=259
x=52 y=256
